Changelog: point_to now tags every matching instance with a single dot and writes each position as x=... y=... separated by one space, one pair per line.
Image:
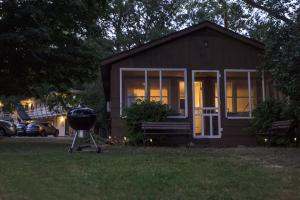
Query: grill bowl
x=81 y=118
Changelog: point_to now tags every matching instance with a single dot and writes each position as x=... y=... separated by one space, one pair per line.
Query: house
x=29 y=110
x=35 y=110
x=206 y=74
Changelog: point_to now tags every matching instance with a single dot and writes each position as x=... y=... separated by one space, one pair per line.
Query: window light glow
x=62 y=119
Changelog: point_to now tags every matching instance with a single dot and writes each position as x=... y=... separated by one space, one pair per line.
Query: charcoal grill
x=82 y=120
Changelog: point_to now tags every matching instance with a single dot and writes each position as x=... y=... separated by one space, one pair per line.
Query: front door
x=206 y=104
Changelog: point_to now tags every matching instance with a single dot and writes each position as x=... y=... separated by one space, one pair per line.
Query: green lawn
x=44 y=170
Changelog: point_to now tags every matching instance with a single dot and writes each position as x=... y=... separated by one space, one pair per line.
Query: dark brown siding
x=222 y=52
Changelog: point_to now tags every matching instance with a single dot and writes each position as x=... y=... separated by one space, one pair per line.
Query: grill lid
x=81 y=118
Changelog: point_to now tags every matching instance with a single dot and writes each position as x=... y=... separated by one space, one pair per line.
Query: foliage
x=142 y=111
x=88 y=94
x=266 y=113
x=9 y=103
x=280 y=9
x=93 y=97
x=263 y=117
x=230 y=14
x=282 y=60
x=48 y=44
x=61 y=101
x=130 y=23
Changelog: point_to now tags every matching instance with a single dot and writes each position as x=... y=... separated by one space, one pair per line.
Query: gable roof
x=178 y=34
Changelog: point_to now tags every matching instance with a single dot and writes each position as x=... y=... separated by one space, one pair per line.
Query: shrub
x=142 y=111
x=266 y=113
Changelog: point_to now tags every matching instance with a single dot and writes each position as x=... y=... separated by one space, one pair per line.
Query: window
x=133 y=87
x=153 y=85
x=173 y=91
x=167 y=86
x=242 y=88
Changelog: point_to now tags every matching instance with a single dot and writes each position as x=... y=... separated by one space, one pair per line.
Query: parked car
x=41 y=129
x=7 y=128
x=21 y=129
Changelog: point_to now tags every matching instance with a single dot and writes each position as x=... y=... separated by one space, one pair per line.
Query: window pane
x=237 y=94
x=173 y=92
x=153 y=86
x=133 y=87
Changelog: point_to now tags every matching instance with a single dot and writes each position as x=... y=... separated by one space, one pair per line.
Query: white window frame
x=160 y=70
x=249 y=91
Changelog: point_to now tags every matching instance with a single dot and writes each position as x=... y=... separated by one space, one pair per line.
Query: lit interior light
x=62 y=119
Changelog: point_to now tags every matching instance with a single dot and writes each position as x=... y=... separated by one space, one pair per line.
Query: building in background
x=29 y=110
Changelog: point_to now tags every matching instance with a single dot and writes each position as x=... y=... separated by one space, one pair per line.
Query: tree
x=130 y=23
x=48 y=43
x=282 y=60
x=88 y=94
x=282 y=47
x=276 y=8
x=93 y=96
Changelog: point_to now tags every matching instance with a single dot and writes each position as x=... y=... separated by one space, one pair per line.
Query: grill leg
x=73 y=142
x=97 y=147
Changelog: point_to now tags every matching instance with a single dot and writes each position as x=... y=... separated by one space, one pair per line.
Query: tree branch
x=270 y=11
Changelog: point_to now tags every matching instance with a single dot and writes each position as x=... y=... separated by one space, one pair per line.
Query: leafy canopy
x=48 y=43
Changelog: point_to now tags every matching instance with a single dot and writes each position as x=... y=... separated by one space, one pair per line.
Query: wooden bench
x=286 y=129
x=166 y=128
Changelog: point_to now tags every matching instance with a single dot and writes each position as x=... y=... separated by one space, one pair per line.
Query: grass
x=44 y=170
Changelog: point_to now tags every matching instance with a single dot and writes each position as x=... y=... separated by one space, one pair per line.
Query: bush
x=266 y=113
x=142 y=111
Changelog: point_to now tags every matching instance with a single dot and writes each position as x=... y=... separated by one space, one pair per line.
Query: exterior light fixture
x=109 y=137
x=266 y=140
x=125 y=138
x=295 y=139
x=150 y=140
x=205 y=43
